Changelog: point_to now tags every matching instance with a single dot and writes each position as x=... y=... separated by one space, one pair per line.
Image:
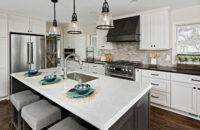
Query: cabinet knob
x=151 y=45
x=194 y=88
x=154 y=45
x=198 y=88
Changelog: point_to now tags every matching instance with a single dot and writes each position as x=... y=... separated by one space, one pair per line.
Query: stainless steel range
x=122 y=69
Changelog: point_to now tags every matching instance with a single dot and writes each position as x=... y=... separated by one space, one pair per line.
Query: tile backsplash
x=130 y=51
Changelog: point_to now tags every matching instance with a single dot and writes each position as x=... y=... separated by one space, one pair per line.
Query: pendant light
x=105 y=19
x=54 y=29
x=74 y=27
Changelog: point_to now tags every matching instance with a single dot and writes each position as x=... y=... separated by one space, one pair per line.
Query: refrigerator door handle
x=28 y=53
x=32 y=62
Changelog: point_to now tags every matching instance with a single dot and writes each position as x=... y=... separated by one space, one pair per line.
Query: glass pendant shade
x=105 y=21
x=74 y=28
x=54 y=30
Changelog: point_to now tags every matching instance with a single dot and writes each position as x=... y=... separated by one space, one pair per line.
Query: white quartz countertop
x=115 y=97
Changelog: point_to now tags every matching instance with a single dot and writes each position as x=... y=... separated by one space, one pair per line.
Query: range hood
x=126 y=30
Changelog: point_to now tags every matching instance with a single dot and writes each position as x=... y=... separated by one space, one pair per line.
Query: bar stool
x=40 y=115
x=67 y=124
x=19 y=100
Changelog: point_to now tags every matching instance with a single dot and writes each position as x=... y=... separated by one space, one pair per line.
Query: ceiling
x=87 y=10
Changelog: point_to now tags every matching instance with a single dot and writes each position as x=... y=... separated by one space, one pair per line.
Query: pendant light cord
x=54 y=10
x=74 y=7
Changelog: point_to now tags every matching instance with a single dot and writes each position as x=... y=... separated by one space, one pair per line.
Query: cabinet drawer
x=97 y=71
x=185 y=78
x=96 y=66
x=76 y=63
x=156 y=74
x=160 y=98
x=158 y=84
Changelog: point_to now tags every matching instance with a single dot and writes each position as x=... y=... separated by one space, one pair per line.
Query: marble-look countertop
x=115 y=97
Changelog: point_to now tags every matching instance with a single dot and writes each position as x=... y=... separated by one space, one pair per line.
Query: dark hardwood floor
x=160 y=119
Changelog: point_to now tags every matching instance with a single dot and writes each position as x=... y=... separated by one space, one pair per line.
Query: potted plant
x=180 y=59
x=194 y=59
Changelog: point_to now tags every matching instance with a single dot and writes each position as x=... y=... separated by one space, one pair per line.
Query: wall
x=130 y=51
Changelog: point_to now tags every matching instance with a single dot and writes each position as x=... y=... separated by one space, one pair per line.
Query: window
x=188 y=39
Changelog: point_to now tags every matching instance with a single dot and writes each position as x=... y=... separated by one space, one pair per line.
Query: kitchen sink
x=80 y=77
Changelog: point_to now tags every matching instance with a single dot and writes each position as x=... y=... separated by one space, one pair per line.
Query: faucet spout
x=66 y=59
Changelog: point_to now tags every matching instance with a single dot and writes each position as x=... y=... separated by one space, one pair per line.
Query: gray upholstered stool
x=40 y=114
x=19 y=100
x=67 y=124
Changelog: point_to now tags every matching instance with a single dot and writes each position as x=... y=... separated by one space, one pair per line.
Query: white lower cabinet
x=198 y=101
x=86 y=67
x=161 y=98
x=184 y=97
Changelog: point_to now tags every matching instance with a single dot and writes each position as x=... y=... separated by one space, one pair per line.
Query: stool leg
x=12 y=117
x=24 y=125
x=19 y=120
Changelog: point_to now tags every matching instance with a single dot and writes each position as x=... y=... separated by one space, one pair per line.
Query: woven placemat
x=80 y=100
x=21 y=75
x=50 y=85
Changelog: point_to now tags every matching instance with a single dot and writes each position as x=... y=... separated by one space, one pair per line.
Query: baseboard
x=176 y=111
x=4 y=98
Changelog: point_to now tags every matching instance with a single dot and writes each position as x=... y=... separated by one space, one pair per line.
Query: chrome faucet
x=65 y=67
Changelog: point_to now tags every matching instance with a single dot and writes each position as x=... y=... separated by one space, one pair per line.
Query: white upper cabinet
x=24 y=24
x=102 y=40
x=37 y=26
x=155 y=30
x=3 y=25
x=18 y=24
x=184 y=97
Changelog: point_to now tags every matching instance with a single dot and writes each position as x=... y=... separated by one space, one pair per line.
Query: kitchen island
x=119 y=104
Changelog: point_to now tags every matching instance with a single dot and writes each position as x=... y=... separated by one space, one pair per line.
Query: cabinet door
x=198 y=101
x=3 y=25
x=159 y=30
x=19 y=24
x=3 y=67
x=145 y=32
x=37 y=26
x=183 y=97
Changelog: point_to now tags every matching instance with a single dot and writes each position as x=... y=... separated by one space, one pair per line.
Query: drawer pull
x=94 y=72
x=154 y=96
x=194 y=88
x=94 y=66
x=198 y=88
x=155 y=74
x=154 y=84
x=195 y=80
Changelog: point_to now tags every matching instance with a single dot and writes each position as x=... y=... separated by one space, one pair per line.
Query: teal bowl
x=50 y=78
x=82 y=88
x=32 y=72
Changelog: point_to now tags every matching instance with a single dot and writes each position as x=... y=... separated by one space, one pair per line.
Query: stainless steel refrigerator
x=26 y=52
